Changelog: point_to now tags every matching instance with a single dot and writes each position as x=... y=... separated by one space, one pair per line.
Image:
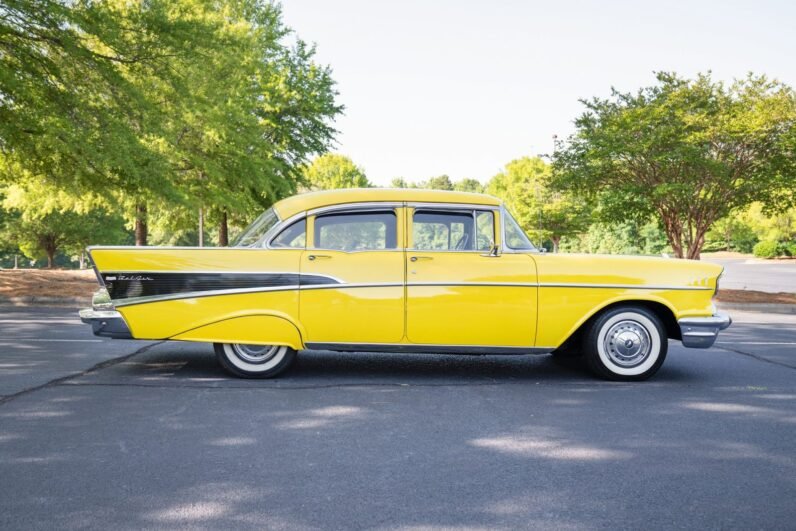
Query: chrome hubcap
x=627 y=343
x=255 y=353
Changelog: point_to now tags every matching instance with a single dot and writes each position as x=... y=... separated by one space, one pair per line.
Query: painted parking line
x=31 y=340
x=757 y=343
x=40 y=321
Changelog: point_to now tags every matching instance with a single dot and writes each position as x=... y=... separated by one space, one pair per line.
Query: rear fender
x=260 y=329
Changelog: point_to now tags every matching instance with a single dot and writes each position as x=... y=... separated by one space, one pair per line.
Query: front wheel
x=254 y=361
x=626 y=343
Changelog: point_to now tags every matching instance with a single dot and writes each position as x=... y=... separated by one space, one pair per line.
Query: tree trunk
x=674 y=232
x=556 y=240
x=16 y=261
x=50 y=248
x=82 y=260
x=695 y=248
x=140 y=224
x=201 y=227
x=223 y=231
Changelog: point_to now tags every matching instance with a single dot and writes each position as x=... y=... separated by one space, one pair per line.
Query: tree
x=524 y=185
x=469 y=185
x=332 y=171
x=204 y=106
x=442 y=182
x=69 y=106
x=47 y=221
x=685 y=151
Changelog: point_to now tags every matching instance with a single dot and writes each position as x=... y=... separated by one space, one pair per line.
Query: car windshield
x=256 y=230
x=515 y=237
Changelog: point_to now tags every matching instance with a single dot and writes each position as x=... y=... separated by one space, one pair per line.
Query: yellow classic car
x=402 y=271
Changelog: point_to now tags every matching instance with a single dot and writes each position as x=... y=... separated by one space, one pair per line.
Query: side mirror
x=494 y=251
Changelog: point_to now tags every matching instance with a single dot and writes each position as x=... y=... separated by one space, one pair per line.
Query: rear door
x=356 y=255
x=458 y=291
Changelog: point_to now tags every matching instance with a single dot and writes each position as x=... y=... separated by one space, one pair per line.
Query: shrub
x=766 y=249
x=788 y=248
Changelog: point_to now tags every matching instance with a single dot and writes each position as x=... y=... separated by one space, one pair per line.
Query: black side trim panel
x=122 y=285
x=426 y=349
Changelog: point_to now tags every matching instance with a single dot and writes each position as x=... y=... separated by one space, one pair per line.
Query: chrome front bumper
x=106 y=323
x=701 y=332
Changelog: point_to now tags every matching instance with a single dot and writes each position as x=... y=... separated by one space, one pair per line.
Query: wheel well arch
x=660 y=310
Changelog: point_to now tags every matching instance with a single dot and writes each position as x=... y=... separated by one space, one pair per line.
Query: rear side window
x=356 y=231
x=293 y=237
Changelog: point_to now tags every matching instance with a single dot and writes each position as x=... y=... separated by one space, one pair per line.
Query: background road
x=772 y=276
x=164 y=439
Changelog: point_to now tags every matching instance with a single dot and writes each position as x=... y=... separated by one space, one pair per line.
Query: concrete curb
x=46 y=301
x=761 y=307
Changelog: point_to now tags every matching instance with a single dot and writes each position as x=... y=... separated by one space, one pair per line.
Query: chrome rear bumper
x=106 y=323
x=701 y=332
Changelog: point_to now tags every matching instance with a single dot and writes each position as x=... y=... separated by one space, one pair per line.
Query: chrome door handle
x=318 y=256
x=416 y=258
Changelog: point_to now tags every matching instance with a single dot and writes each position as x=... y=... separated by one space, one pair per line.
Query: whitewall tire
x=254 y=361
x=626 y=343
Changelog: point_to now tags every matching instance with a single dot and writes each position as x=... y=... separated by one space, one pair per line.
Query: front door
x=357 y=256
x=460 y=293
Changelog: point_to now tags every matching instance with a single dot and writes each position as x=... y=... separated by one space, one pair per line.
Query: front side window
x=293 y=237
x=356 y=231
x=515 y=237
x=257 y=229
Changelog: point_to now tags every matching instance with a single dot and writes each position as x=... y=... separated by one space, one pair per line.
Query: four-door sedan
x=402 y=271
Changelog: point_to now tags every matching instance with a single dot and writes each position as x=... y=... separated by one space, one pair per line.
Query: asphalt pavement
x=110 y=434
x=772 y=276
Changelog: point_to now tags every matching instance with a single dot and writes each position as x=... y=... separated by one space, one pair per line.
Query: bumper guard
x=701 y=332
x=106 y=323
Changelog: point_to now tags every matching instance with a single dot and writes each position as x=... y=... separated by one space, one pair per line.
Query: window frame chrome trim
x=358 y=207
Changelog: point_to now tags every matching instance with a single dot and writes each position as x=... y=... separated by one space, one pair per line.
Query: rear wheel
x=254 y=361
x=626 y=343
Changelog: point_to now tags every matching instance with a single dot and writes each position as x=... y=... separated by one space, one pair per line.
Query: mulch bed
x=47 y=283
x=749 y=296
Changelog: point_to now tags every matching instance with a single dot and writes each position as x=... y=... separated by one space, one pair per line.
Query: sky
x=462 y=87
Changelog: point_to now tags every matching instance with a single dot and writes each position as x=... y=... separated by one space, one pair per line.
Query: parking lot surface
x=120 y=434
x=773 y=276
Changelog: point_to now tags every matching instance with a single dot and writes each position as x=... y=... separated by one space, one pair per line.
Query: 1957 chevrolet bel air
x=402 y=271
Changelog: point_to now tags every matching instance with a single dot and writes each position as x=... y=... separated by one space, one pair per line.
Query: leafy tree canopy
x=186 y=103
x=43 y=220
x=524 y=185
x=441 y=182
x=469 y=185
x=685 y=151
x=332 y=171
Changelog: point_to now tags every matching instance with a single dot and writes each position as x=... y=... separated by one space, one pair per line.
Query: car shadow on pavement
x=176 y=363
